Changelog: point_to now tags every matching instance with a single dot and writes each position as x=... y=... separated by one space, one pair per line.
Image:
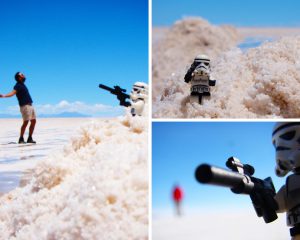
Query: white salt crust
x=263 y=82
x=96 y=188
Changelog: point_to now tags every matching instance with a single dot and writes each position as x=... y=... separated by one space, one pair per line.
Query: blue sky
x=239 y=13
x=178 y=148
x=66 y=48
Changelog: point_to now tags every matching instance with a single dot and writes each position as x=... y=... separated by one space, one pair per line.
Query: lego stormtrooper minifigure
x=138 y=97
x=199 y=77
x=286 y=139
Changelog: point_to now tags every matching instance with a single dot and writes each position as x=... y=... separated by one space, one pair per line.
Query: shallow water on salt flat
x=252 y=42
x=16 y=160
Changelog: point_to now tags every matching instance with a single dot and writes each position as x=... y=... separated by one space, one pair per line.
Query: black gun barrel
x=238 y=183
x=105 y=87
x=119 y=92
x=261 y=192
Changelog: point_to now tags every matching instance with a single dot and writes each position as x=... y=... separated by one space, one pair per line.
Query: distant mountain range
x=59 y=115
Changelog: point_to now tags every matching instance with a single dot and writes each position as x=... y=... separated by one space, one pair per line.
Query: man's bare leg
x=31 y=130
x=23 y=128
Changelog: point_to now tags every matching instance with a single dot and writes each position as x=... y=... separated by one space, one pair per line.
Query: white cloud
x=77 y=106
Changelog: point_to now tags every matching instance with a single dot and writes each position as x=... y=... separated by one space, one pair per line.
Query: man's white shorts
x=28 y=112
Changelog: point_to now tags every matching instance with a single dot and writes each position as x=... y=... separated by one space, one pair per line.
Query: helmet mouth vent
x=281 y=166
x=280 y=148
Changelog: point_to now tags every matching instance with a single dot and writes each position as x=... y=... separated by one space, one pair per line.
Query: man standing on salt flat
x=26 y=108
x=177 y=198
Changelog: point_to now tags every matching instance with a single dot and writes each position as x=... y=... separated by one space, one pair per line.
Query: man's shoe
x=30 y=140
x=21 y=140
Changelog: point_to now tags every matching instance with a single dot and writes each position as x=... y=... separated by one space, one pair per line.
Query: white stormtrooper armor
x=286 y=139
x=138 y=96
x=201 y=74
x=199 y=77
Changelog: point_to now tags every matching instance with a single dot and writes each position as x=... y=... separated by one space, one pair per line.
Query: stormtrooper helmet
x=139 y=91
x=202 y=60
x=286 y=140
x=202 y=63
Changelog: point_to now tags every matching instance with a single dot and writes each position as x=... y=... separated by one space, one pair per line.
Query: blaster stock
x=240 y=181
x=119 y=92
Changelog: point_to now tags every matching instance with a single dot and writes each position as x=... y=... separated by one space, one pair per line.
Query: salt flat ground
x=16 y=160
x=95 y=188
x=214 y=225
x=268 y=31
x=245 y=32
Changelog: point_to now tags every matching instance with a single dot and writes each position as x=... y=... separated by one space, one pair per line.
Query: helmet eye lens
x=288 y=136
x=136 y=90
x=200 y=62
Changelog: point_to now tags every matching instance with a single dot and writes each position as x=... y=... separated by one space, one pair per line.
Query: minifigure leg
x=200 y=99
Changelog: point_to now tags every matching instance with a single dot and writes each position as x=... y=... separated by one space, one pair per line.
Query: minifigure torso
x=289 y=194
x=288 y=201
x=293 y=193
x=137 y=106
x=200 y=80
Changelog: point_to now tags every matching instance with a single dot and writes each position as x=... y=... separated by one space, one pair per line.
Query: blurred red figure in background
x=177 y=198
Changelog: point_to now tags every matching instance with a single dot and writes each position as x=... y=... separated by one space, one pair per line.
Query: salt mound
x=263 y=82
x=182 y=42
x=97 y=188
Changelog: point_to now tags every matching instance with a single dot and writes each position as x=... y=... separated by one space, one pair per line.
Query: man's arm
x=12 y=93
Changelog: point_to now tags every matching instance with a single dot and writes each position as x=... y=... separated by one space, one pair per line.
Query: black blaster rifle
x=119 y=92
x=240 y=181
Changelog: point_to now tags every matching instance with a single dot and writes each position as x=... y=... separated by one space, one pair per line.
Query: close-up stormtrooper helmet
x=202 y=63
x=286 y=140
x=139 y=91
